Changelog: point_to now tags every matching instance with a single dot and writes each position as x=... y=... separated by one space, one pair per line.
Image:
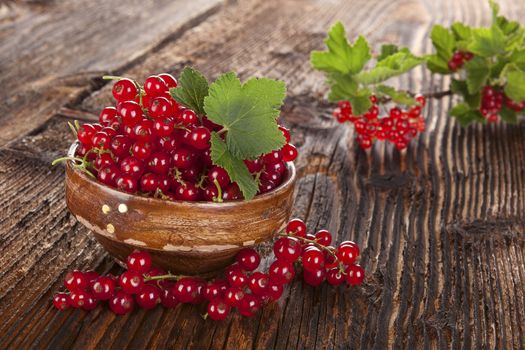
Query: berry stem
x=162 y=277
x=219 y=191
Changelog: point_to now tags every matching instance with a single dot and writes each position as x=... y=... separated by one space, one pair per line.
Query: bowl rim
x=283 y=187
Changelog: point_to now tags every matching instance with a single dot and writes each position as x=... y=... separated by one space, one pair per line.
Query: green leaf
x=508 y=27
x=518 y=59
x=436 y=64
x=443 y=41
x=341 y=56
x=191 y=90
x=343 y=86
x=387 y=50
x=461 y=31
x=360 y=102
x=495 y=9
x=515 y=87
x=248 y=113
x=460 y=87
x=237 y=170
x=400 y=97
x=487 y=42
x=478 y=71
x=393 y=65
x=508 y=115
x=465 y=115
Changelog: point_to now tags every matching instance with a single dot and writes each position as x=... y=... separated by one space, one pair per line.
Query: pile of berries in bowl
x=189 y=171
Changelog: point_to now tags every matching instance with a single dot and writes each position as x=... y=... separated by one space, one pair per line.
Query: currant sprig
x=242 y=287
x=487 y=65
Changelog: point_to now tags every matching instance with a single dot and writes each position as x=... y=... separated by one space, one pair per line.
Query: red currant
x=155 y=86
x=121 y=303
x=103 y=288
x=131 y=282
x=124 y=90
x=248 y=259
x=287 y=248
x=281 y=271
x=148 y=297
x=218 y=309
x=355 y=275
x=139 y=261
x=61 y=301
x=296 y=227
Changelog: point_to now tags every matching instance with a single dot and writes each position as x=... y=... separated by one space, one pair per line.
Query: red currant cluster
x=399 y=126
x=242 y=288
x=458 y=60
x=149 y=144
x=492 y=99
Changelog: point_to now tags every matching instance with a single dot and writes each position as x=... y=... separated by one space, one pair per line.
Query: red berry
x=421 y=100
x=254 y=166
x=141 y=149
x=149 y=182
x=121 y=303
x=124 y=90
x=160 y=107
x=103 y=288
x=275 y=290
x=120 y=145
x=85 y=133
x=248 y=259
x=200 y=138
x=218 y=309
x=61 y=301
x=289 y=152
x=296 y=227
x=182 y=158
x=187 y=118
x=90 y=303
x=155 y=86
x=335 y=277
x=187 y=192
x=273 y=157
x=237 y=278
x=249 y=305
x=164 y=127
x=108 y=175
x=126 y=183
x=286 y=133
x=312 y=259
x=258 y=283
x=169 y=79
x=159 y=163
x=103 y=160
x=148 y=297
x=168 y=298
x=186 y=290
x=314 y=277
x=355 y=275
x=131 y=282
x=219 y=174
x=234 y=296
x=101 y=140
x=287 y=248
x=215 y=289
x=281 y=271
x=131 y=113
x=76 y=281
x=133 y=167
x=139 y=261
x=347 y=252
x=323 y=237
x=78 y=299
x=107 y=115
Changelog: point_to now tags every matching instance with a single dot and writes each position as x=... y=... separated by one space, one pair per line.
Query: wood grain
x=441 y=226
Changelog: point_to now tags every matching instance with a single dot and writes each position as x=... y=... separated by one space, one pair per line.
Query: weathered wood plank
x=50 y=52
x=441 y=227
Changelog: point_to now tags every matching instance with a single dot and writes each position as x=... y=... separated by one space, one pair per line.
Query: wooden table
x=441 y=227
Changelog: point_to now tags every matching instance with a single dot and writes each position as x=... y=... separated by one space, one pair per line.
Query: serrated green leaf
x=191 y=90
x=517 y=58
x=237 y=170
x=343 y=86
x=508 y=27
x=478 y=71
x=508 y=115
x=387 y=50
x=360 y=102
x=400 y=97
x=461 y=31
x=443 y=41
x=248 y=113
x=515 y=87
x=487 y=42
x=465 y=115
x=436 y=64
x=393 y=65
x=494 y=8
x=459 y=87
x=341 y=57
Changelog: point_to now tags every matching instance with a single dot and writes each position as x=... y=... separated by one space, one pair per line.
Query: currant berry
x=273 y=157
x=164 y=127
x=249 y=305
x=312 y=259
x=258 y=283
x=347 y=252
x=187 y=192
x=126 y=183
x=159 y=163
x=289 y=152
x=215 y=289
x=120 y=145
x=103 y=288
x=148 y=297
x=139 y=261
x=90 y=303
x=286 y=133
x=168 y=298
x=254 y=166
x=314 y=277
x=101 y=140
x=131 y=282
x=296 y=227
x=234 y=296
x=169 y=79
x=61 y=301
x=133 y=167
x=142 y=149
x=219 y=174
x=335 y=277
x=85 y=133
x=103 y=160
x=186 y=290
x=200 y=138
x=182 y=158
x=149 y=182
x=108 y=175
x=281 y=271
x=124 y=90
x=237 y=278
x=187 y=118
x=160 y=107
x=275 y=291
x=155 y=86
x=248 y=259
x=287 y=248
x=78 y=298
x=121 y=303
x=218 y=309
x=144 y=130
x=131 y=113
x=323 y=237
x=355 y=275
x=76 y=281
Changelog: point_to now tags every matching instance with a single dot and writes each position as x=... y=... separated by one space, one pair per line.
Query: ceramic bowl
x=182 y=237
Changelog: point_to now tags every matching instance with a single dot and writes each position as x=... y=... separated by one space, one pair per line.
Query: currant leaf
x=341 y=57
x=515 y=87
x=508 y=115
x=191 y=90
x=487 y=42
x=343 y=86
x=387 y=50
x=436 y=64
x=478 y=71
x=235 y=167
x=401 y=97
x=248 y=113
x=465 y=115
x=393 y=65
x=360 y=101
x=460 y=87
x=443 y=41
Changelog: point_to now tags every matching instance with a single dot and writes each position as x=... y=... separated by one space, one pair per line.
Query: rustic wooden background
x=441 y=227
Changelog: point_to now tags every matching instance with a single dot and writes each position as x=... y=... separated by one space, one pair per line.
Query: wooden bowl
x=182 y=237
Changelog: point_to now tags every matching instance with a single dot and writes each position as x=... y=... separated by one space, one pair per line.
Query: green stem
x=64 y=159
x=168 y=276
x=219 y=190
